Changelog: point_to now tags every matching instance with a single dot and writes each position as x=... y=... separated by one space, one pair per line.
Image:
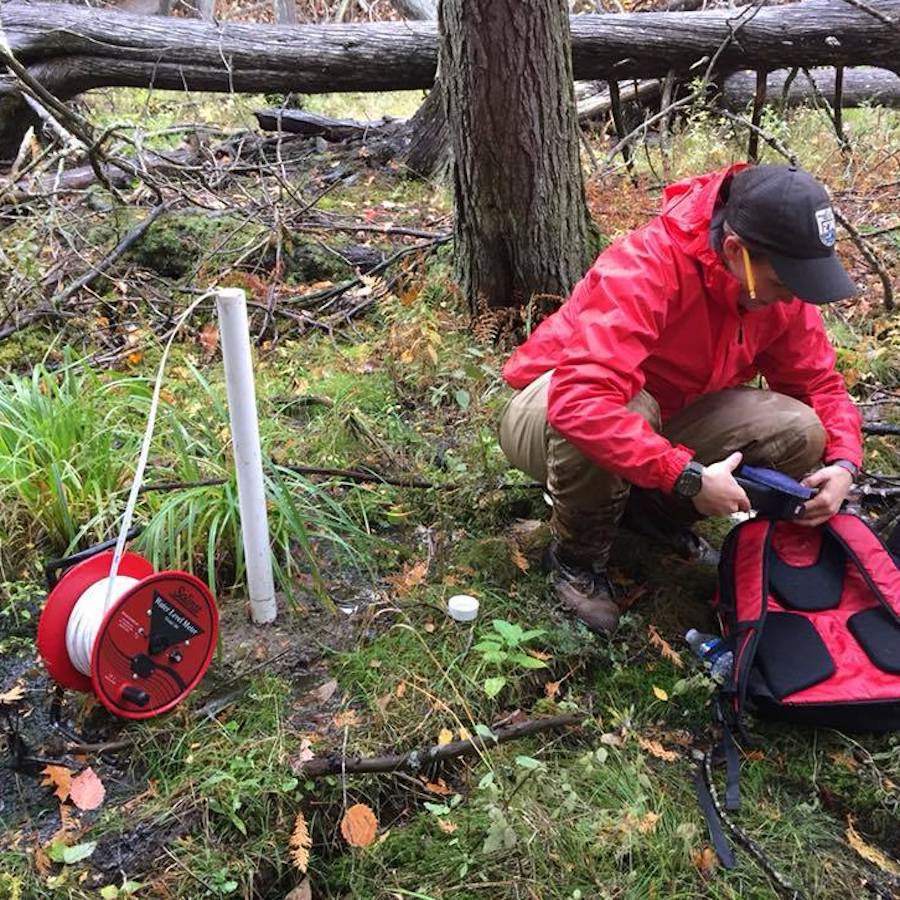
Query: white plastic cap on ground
x=462 y=607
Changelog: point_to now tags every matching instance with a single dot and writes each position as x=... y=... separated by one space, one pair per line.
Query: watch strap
x=852 y=468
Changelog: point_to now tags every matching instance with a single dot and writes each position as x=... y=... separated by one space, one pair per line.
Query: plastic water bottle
x=713 y=651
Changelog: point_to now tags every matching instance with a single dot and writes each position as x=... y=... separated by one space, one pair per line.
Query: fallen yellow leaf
x=444 y=737
x=13 y=695
x=659 y=693
x=61 y=778
x=655 y=748
x=665 y=648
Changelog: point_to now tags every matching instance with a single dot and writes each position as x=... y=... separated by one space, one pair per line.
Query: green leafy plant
x=504 y=650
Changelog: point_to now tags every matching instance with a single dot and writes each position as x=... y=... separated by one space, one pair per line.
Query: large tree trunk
x=521 y=223
x=74 y=49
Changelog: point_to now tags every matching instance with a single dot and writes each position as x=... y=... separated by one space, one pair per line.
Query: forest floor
x=368 y=367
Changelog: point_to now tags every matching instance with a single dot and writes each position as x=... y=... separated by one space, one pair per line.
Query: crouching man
x=636 y=385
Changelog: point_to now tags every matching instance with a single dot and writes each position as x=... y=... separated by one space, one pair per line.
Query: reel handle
x=56 y=566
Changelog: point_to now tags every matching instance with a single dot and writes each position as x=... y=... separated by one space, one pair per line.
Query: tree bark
x=285 y=12
x=507 y=77
x=428 y=153
x=416 y=10
x=72 y=49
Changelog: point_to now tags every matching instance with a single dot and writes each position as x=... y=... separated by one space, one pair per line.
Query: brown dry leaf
x=86 y=790
x=465 y=734
x=551 y=689
x=444 y=737
x=411 y=577
x=135 y=358
x=324 y=692
x=518 y=558
x=60 y=777
x=349 y=718
x=539 y=654
x=303 y=891
x=382 y=703
x=665 y=648
x=655 y=748
x=300 y=843
x=14 y=695
x=302 y=756
x=869 y=853
x=359 y=826
x=647 y=823
x=400 y=690
x=42 y=864
x=209 y=339
x=437 y=787
x=144 y=795
x=446 y=826
x=705 y=861
x=844 y=759
x=611 y=739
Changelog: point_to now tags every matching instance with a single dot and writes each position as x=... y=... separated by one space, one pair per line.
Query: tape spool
x=143 y=654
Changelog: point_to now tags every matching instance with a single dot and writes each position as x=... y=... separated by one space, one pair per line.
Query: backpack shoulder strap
x=871 y=556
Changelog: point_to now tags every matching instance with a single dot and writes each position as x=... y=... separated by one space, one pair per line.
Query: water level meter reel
x=143 y=652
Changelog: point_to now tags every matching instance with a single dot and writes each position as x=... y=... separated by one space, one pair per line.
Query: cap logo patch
x=825 y=223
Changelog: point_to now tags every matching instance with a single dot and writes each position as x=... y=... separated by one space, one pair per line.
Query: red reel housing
x=153 y=646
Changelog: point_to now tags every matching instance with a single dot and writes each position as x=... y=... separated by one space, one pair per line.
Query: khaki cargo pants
x=770 y=429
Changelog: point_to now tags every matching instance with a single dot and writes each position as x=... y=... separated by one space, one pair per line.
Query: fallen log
x=417 y=760
x=71 y=50
x=297 y=121
x=861 y=87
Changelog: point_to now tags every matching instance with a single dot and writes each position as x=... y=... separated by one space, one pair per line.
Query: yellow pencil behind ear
x=748 y=271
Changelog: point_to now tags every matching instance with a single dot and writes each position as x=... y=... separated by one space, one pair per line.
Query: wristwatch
x=852 y=468
x=690 y=481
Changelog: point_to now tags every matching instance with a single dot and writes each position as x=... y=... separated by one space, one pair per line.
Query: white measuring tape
x=91 y=607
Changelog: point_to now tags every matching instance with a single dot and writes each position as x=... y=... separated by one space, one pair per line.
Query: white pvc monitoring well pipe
x=235 y=338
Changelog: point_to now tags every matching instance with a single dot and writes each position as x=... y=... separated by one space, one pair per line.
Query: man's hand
x=721 y=495
x=833 y=484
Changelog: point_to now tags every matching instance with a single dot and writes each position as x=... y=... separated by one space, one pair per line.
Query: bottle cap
x=462 y=607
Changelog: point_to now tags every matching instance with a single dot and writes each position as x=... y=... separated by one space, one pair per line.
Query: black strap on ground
x=732 y=770
x=713 y=821
x=783 y=885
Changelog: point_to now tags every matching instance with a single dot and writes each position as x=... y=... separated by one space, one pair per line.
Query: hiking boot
x=692 y=547
x=645 y=515
x=585 y=593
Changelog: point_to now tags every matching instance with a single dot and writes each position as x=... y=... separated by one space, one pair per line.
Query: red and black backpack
x=813 y=618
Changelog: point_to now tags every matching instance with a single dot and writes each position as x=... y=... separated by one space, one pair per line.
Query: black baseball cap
x=786 y=213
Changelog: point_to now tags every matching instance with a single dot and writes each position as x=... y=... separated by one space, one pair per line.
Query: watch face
x=690 y=481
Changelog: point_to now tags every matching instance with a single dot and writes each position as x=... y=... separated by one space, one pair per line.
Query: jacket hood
x=688 y=207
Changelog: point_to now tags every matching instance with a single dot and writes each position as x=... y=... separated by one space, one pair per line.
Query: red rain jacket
x=659 y=311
